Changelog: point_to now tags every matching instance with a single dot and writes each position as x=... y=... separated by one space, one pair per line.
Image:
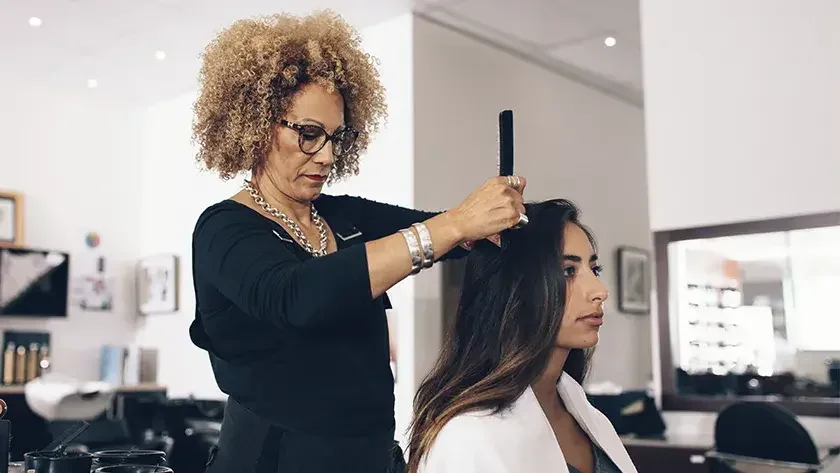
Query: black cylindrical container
x=129 y=457
x=63 y=462
x=133 y=469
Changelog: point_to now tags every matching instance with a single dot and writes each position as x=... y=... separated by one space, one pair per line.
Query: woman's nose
x=325 y=157
x=598 y=292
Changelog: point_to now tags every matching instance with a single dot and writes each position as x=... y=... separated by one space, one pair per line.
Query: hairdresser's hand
x=493 y=207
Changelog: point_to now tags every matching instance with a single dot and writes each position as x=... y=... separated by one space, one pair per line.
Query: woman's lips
x=595 y=320
x=316 y=177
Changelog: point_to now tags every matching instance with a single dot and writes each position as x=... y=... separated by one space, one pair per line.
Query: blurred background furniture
x=141 y=418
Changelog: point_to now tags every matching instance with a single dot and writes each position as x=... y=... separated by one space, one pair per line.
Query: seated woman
x=505 y=395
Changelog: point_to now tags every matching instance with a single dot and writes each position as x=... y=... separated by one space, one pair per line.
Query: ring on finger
x=523 y=220
x=510 y=181
x=518 y=182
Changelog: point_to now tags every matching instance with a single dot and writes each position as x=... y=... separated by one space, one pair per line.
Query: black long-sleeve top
x=298 y=340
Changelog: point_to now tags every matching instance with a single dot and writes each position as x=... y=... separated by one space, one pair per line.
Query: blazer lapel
x=593 y=423
x=541 y=443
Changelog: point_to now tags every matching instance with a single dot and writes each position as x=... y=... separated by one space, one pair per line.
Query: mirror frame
x=671 y=399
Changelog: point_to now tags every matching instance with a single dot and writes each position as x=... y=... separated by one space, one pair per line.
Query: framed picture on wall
x=634 y=278
x=157 y=285
x=11 y=219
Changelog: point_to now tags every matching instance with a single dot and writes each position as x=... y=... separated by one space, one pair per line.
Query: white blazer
x=520 y=439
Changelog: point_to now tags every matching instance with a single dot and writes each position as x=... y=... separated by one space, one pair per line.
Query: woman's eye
x=569 y=271
x=597 y=270
x=311 y=133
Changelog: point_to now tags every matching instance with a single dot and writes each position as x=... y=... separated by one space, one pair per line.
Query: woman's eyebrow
x=578 y=259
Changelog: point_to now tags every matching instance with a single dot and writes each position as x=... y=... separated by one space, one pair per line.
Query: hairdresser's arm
x=389 y=260
x=248 y=264
x=376 y=220
x=236 y=253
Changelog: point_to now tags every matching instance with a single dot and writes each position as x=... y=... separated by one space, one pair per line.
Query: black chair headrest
x=764 y=430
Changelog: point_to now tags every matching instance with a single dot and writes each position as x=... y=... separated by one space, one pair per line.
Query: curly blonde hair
x=251 y=73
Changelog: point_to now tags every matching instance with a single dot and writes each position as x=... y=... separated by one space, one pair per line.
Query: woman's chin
x=583 y=342
x=592 y=344
x=309 y=194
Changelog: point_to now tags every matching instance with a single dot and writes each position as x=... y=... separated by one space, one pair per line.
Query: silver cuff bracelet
x=413 y=249
x=426 y=243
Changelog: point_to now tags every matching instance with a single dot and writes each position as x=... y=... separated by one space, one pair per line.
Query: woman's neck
x=545 y=386
x=297 y=210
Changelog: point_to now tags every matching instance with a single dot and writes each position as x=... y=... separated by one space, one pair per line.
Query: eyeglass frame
x=329 y=137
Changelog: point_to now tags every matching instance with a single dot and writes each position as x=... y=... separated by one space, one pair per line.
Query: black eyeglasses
x=313 y=138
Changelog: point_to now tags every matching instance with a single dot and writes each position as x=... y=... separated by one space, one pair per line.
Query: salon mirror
x=751 y=311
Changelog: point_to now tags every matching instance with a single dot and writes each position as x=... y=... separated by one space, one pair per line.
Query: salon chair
x=761 y=436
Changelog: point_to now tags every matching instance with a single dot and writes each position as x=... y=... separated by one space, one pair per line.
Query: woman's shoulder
x=337 y=202
x=227 y=212
x=353 y=204
x=471 y=443
x=468 y=430
x=228 y=207
x=460 y=441
x=471 y=423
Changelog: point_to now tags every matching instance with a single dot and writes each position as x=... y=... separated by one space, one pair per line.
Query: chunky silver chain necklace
x=299 y=235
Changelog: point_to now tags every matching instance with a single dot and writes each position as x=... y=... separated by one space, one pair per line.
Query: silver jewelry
x=518 y=182
x=426 y=243
x=299 y=235
x=510 y=181
x=414 y=249
x=523 y=220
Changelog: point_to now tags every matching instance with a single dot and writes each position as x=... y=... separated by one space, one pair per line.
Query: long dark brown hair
x=504 y=332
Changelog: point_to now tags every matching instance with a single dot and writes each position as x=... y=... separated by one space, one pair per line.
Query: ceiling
x=115 y=41
x=567 y=36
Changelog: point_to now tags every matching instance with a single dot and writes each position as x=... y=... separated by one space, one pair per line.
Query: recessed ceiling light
x=160 y=55
x=92 y=83
x=35 y=22
x=609 y=41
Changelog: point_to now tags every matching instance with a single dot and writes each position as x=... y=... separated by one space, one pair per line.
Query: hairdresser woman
x=290 y=283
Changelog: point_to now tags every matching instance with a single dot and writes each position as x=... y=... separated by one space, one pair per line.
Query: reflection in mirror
x=756 y=314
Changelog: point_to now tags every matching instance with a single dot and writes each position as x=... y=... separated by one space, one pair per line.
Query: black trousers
x=250 y=444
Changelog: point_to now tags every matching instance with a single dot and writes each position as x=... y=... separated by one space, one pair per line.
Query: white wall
x=75 y=162
x=174 y=192
x=742 y=123
x=571 y=141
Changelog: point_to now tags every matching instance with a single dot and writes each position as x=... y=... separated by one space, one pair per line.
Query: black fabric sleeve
x=377 y=220
x=249 y=265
